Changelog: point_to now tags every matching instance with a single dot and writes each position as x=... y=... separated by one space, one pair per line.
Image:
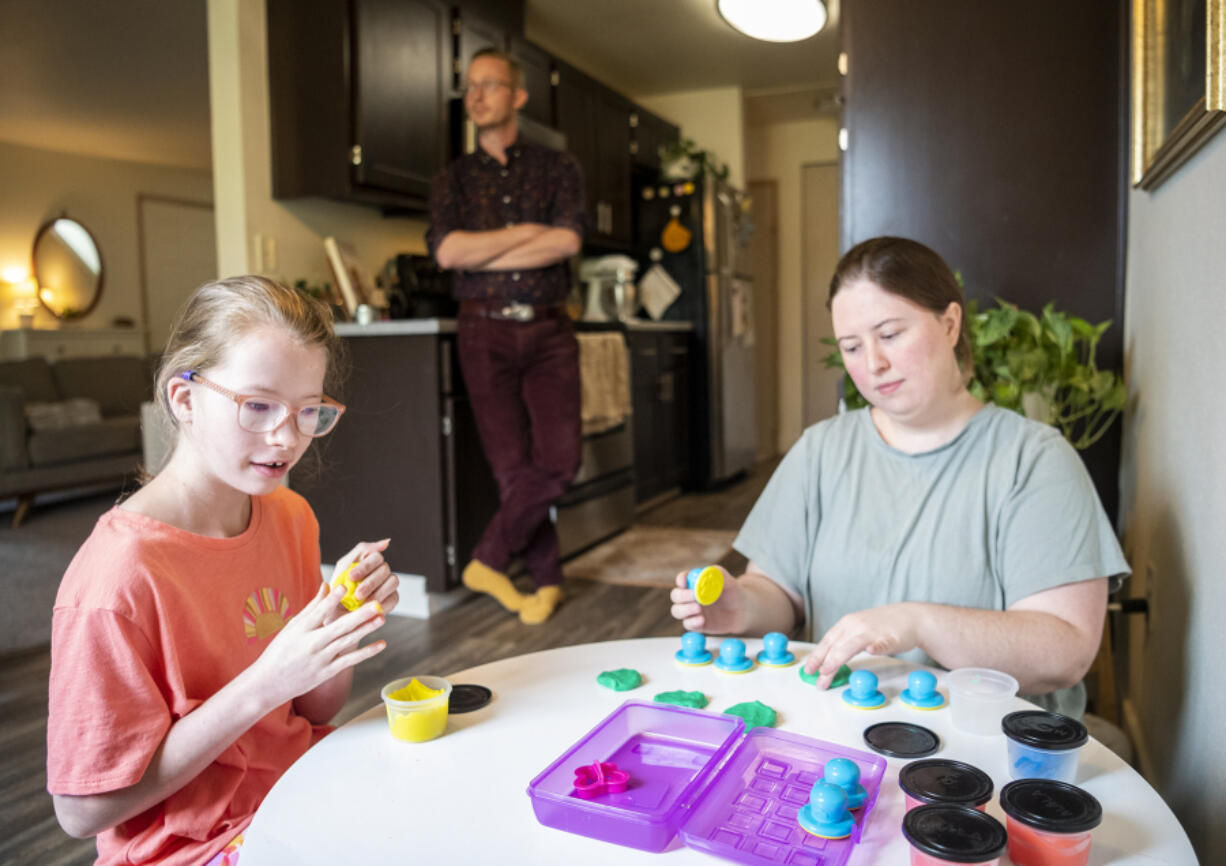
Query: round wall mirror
x=68 y=267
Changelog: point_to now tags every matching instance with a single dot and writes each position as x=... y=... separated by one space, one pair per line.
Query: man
x=506 y=219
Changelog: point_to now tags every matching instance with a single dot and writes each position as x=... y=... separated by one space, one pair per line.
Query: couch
x=69 y=423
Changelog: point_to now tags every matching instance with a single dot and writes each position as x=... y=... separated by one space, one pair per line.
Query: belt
x=511 y=311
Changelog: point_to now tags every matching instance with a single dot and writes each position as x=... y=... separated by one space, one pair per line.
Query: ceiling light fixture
x=774 y=20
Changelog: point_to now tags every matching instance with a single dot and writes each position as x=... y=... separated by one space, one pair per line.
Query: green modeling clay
x=696 y=700
x=620 y=680
x=840 y=678
x=755 y=713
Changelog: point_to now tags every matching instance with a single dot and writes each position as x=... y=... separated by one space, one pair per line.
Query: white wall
x=100 y=194
x=1173 y=489
x=777 y=152
x=247 y=215
x=713 y=118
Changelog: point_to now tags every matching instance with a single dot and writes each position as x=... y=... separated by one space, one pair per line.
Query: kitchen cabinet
x=358 y=98
x=648 y=133
x=596 y=123
x=537 y=67
x=659 y=381
x=405 y=462
x=472 y=33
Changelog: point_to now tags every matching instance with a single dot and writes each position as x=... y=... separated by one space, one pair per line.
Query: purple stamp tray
x=728 y=793
x=748 y=812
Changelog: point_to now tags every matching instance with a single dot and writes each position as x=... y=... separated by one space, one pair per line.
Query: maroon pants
x=523 y=381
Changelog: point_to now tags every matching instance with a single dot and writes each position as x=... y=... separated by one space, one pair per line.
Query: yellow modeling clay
x=417 y=726
x=416 y=690
x=350 y=601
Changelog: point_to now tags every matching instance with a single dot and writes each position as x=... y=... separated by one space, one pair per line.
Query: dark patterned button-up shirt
x=477 y=193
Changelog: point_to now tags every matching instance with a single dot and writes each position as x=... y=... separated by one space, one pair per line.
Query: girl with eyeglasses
x=195 y=651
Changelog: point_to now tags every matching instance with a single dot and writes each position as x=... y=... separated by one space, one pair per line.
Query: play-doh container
x=1043 y=745
x=416 y=721
x=939 y=780
x=1049 y=822
x=944 y=834
x=978 y=697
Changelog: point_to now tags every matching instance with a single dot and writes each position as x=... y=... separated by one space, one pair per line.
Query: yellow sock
x=479 y=577
x=540 y=606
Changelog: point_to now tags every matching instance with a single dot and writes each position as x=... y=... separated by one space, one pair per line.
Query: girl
x=195 y=652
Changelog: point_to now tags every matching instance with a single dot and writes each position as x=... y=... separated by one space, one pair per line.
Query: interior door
x=178 y=252
x=820 y=255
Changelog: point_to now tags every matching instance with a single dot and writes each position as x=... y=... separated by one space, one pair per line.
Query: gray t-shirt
x=1004 y=510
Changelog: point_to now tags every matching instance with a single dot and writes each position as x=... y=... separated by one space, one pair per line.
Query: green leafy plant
x=1041 y=366
x=685 y=160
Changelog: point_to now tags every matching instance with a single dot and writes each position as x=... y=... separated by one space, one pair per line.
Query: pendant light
x=774 y=20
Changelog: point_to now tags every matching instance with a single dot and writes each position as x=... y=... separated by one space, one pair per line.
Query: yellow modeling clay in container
x=417 y=707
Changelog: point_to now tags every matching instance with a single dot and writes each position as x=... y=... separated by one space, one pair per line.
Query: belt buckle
x=517 y=312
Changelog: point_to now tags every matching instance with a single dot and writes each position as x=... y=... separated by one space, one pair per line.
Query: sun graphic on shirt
x=264 y=614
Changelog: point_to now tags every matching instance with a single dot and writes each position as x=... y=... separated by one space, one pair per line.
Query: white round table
x=360 y=796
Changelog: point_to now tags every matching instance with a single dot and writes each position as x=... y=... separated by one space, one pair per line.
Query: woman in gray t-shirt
x=928 y=524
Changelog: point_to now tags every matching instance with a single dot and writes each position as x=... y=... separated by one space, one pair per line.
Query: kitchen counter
x=417 y=327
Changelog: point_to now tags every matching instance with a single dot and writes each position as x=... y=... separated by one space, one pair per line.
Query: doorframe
x=807 y=340
x=141 y=198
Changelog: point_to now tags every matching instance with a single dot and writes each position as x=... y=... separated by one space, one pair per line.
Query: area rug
x=650 y=555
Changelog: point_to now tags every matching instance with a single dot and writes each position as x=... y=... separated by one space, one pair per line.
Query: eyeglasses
x=263 y=414
x=488 y=87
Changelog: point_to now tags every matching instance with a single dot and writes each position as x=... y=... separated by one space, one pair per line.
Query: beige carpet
x=650 y=555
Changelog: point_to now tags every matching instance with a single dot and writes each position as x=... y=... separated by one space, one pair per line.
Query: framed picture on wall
x=1178 y=83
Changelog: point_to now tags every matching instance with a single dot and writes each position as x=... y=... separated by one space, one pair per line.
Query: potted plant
x=1041 y=366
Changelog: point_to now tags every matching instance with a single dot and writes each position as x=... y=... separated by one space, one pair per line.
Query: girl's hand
x=725 y=616
x=886 y=630
x=314 y=646
x=372 y=574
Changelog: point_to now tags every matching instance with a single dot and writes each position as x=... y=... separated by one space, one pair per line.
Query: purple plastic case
x=728 y=793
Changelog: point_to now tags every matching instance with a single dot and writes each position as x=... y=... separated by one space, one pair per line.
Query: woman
x=927 y=522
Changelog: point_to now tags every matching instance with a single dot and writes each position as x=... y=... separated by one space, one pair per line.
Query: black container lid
x=901 y=739
x=1051 y=806
x=467 y=697
x=955 y=834
x=1043 y=730
x=939 y=780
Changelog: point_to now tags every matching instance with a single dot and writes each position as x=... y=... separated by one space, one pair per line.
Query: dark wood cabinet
x=405 y=463
x=537 y=67
x=575 y=117
x=659 y=376
x=357 y=94
x=472 y=33
x=648 y=134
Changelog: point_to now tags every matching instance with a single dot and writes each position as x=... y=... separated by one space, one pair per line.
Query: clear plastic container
x=1043 y=745
x=1049 y=822
x=978 y=697
x=941 y=835
x=417 y=721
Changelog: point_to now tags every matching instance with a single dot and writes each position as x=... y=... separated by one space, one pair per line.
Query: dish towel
x=604 y=378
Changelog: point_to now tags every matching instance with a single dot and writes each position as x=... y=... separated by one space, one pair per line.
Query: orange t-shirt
x=150 y=621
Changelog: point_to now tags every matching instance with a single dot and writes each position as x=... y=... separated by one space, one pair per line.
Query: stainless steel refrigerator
x=712 y=271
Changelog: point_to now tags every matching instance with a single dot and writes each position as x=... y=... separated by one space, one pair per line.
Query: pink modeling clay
x=599 y=777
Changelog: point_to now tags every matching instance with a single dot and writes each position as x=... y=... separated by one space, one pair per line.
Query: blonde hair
x=222 y=311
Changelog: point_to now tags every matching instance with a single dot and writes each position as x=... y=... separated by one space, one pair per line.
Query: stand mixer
x=610 y=288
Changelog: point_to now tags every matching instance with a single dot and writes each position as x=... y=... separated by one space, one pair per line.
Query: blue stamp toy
x=775 y=653
x=732 y=658
x=862 y=691
x=844 y=773
x=921 y=691
x=694 y=652
x=707 y=583
x=826 y=813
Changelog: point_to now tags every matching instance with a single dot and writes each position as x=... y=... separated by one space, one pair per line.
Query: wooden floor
x=472 y=632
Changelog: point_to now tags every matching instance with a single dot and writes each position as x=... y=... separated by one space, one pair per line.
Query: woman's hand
x=372 y=574
x=315 y=646
x=725 y=616
x=886 y=630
